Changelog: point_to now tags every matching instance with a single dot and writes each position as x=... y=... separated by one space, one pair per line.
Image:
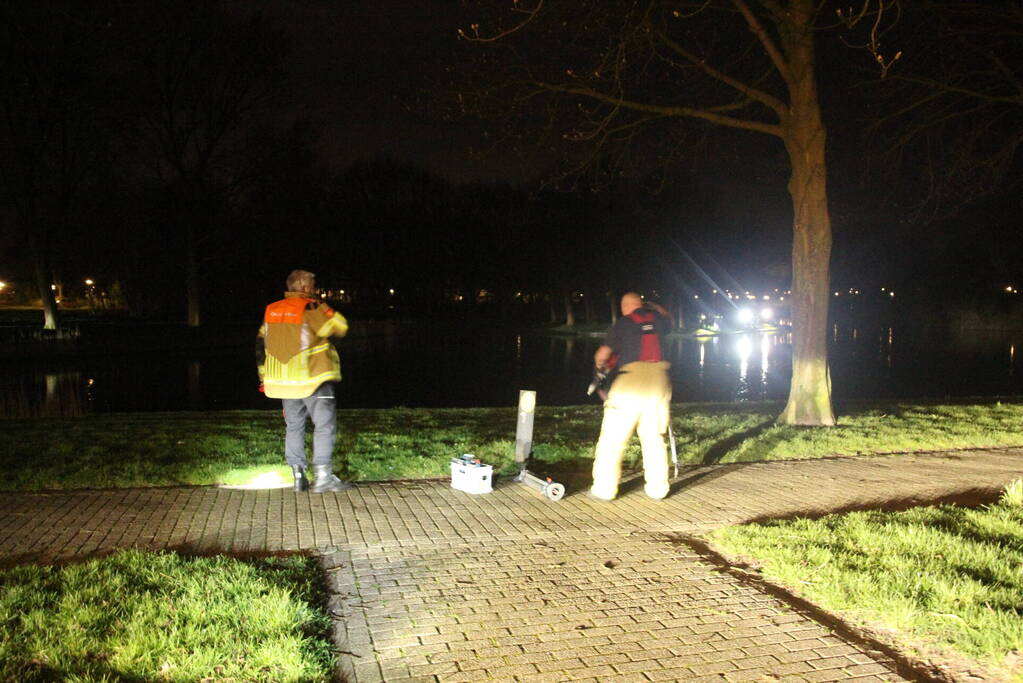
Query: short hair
x=298 y=280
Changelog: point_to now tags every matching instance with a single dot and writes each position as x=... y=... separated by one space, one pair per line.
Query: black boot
x=324 y=481
x=301 y=483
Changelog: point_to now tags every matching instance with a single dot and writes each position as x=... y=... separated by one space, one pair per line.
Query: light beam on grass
x=260 y=477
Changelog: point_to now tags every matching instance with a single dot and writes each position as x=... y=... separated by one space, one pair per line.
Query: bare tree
x=53 y=111
x=618 y=69
x=204 y=78
x=951 y=128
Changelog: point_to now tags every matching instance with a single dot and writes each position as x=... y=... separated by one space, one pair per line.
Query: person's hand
x=262 y=389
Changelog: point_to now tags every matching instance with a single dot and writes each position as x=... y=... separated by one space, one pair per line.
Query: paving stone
x=434 y=584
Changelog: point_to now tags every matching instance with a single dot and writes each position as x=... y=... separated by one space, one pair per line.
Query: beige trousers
x=639 y=401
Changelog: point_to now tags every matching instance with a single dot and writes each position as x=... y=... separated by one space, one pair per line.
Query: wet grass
x=233 y=447
x=940 y=578
x=139 y=616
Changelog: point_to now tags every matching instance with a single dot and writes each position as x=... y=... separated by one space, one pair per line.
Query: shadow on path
x=967 y=497
x=905 y=666
x=721 y=448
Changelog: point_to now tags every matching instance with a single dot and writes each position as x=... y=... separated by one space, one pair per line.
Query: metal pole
x=524 y=428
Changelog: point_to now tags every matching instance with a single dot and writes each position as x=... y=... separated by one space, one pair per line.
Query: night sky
x=361 y=73
x=365 y=76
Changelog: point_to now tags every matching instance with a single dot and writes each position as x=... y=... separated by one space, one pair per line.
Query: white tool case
x=470 y=475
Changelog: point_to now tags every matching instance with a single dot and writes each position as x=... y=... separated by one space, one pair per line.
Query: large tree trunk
x=810 y=392
x=42 y=273
x=39 y=247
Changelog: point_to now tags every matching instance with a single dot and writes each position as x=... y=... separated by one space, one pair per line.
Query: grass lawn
x=938 y=578
x=232 y=447
x=164 y=617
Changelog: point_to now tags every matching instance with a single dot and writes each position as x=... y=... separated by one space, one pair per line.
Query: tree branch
x=769 y=46
x=753 y=93
x=662 y=110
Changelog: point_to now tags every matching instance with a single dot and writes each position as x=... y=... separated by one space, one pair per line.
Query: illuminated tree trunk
x=46 y=294
x=569 y=313
x=804 y=135
x=39 y=246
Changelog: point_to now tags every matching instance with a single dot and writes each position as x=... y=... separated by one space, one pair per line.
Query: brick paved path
x=435 y=584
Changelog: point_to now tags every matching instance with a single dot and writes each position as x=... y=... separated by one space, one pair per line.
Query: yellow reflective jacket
x=298 y=355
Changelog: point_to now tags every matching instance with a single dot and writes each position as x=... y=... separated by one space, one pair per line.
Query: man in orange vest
x=638 y=400
x=299 y=365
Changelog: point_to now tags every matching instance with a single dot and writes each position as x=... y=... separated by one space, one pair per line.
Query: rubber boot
x=301 y=483
x=324 y=481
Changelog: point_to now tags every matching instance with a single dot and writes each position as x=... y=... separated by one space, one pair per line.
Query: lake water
x=489 y=368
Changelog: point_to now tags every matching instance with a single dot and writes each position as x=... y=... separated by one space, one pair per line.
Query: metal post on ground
x=524 y=447
x=524 y=427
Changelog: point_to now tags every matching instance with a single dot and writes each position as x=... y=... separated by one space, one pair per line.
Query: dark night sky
x=359 y=70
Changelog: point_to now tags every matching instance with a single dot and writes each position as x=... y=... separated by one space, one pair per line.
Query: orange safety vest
x=299 y=355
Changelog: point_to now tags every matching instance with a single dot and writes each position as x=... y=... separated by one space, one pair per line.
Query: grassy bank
x=156 y=449
x=940 y=579
x=163 y=617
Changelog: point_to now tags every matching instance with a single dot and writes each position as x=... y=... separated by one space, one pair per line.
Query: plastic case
x=470 y=475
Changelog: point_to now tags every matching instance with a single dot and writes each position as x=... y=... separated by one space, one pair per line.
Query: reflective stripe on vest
x=650 y=342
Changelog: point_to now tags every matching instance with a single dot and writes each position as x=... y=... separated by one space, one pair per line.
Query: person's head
x=301 y=281
x=630 y=302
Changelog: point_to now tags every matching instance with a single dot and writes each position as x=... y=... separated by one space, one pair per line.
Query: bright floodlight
x=745 y=315
x=766 y=313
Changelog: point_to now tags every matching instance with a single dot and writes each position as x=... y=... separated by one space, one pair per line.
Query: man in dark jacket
x=639 y=398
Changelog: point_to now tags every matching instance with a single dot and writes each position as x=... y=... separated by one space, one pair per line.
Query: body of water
x=488 y=368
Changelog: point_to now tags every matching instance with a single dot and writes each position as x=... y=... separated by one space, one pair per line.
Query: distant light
x=323 y=295
x=53 y=288
x=391 y=291
x=713 y=291
x=2 y=285
x=89 y=282
x=342 y=291
x=891 y=293
x=837 y=293
x=696 y=296
x=745 y=315
x=766 y=313
x=766 y=297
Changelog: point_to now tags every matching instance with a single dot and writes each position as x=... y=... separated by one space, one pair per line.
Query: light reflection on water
x=489 y=369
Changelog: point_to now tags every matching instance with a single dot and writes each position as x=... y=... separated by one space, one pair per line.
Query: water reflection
x=45 y=394
x=489 y=368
